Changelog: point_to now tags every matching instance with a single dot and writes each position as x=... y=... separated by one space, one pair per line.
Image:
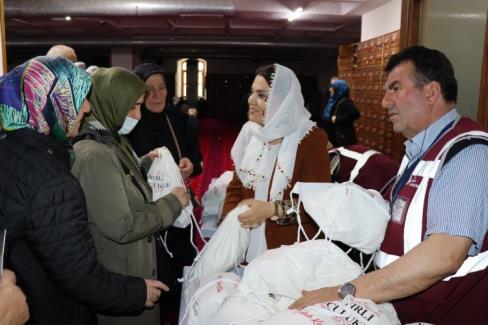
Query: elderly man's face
x=408 y=110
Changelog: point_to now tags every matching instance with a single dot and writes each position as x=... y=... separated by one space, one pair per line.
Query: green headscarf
x=114 y=92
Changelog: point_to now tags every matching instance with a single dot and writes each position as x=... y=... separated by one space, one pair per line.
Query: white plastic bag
x=238 y=309
x=284 y=272
x=205 y=295
x=226 y=248
x=350 y=311
x=274 y=280
x=213 y=198
x=346 y=212
x=163 y=176
x=213 y=202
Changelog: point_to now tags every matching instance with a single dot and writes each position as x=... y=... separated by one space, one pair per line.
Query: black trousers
x=171 y=269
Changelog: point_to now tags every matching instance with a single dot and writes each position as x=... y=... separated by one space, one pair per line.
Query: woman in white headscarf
x=276 y=148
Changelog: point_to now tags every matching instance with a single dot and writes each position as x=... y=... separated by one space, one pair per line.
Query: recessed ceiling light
x=67 y=18
x=295 y=14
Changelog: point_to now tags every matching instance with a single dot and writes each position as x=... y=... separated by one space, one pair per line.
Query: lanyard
x=405 y=176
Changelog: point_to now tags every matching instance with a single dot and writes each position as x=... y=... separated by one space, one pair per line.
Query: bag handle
x=173 y=134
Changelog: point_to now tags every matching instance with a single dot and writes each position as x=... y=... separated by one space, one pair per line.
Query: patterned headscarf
x=341 y=90
x=44 y=94
x=114 y=92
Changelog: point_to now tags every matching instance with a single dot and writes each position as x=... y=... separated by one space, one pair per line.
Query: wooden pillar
x=3 y=49
x=410 y=24
x=483 y=97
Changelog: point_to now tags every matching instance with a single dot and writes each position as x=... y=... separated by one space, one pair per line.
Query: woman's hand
x=259 y=211
x=186 y=167
x=182 y=195
x=153 y=154
x=13 y=303
x=153 y=291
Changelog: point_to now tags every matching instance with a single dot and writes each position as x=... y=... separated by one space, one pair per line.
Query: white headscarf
x=254 y=158
x=287 y=118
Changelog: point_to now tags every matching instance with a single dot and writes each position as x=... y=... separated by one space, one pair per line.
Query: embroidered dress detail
x=266 y=168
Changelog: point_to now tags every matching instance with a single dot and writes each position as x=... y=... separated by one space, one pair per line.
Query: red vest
x=461 y=298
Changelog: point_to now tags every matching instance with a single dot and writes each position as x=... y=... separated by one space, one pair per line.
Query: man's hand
x=13 y=304
x=154 y=289
x=186 y=167
x=315 y=296
x=259 y=211
x=182 y=195
x=426 y=264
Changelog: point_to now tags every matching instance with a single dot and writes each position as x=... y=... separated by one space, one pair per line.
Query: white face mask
x=129 y=125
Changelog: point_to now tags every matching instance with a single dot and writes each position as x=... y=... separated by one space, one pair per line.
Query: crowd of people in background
x=86 y=243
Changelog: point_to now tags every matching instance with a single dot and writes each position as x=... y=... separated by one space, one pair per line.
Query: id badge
x=399 y=210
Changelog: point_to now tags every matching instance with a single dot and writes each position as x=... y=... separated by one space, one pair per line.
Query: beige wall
x=382 y=20
x=457 y=28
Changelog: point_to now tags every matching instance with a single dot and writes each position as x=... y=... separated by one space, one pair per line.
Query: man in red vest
x=434 y=258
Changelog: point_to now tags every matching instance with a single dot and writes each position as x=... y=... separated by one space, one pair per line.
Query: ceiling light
x=295 y=14
x=67 y=18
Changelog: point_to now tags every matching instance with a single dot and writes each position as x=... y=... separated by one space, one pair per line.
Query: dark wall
x=99 y=56
x=225 y=92
x=230 y=71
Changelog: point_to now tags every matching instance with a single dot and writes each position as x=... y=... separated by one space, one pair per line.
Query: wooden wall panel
x=361 y=65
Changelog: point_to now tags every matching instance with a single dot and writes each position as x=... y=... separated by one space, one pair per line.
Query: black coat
x=49 y=245
x=153 y=132
x=343 y=128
